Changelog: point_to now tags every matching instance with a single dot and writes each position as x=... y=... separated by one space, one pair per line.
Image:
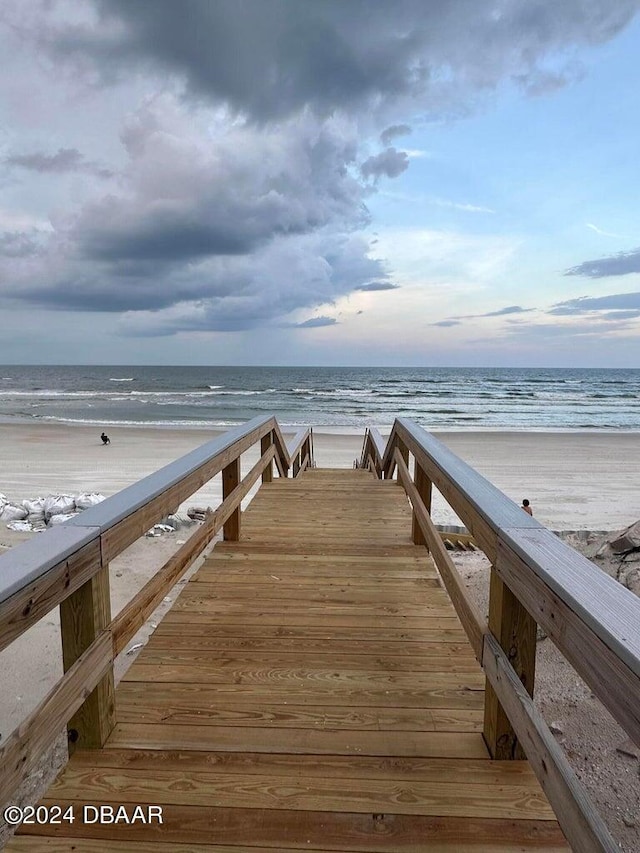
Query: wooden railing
x=69 y=566
x=535 y=579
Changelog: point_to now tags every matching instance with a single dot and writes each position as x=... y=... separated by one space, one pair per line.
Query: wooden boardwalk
x=310 y=689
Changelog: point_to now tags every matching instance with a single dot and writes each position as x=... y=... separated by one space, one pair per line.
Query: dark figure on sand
x=105 y=438
x=526 y=506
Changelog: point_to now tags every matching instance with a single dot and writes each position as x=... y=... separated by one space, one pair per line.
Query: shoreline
x=318 y=429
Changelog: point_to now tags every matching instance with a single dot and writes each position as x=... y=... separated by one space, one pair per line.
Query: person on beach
x=105 y=438
x=526 y=506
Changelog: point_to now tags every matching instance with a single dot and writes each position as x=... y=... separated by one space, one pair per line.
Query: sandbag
x=61 y=517
x=88 y=499
x=58 y=505
x=35 y=510
x=20 y=526
x=10 y=512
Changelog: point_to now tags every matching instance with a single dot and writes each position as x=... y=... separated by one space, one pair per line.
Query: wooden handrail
x=133 y=616
x=68 y=566
x=294 y=444
x=373 y=447
x=474 y=625
x=580 y=822
x=593 y=620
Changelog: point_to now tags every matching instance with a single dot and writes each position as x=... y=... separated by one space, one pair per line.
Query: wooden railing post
x=265 y=444
x=306 y=450
x=404 y=452
x=296 y=464
x=230 y=479
x=424 y=487
x=83 y=616
x=515 y=630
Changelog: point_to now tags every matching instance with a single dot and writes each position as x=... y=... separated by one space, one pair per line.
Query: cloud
x=623 y=263
x=501 y=312
x=243 y=176
x=445 y=324
x=456 y=205
x=389 y=162
x=390 y=133
x=19 y=244
x=235 y=229
x=377 y=285
x=604 y=233
x=270 y=60
x=617 y=302
x=510 y=309
x=316 y=322
x=64 y=160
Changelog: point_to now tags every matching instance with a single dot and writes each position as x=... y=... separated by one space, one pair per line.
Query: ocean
x=340 y=399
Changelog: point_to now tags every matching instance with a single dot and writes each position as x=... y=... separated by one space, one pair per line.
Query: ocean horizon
x=336 y=398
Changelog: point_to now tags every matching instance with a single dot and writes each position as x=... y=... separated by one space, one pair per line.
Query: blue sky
x=320 y=183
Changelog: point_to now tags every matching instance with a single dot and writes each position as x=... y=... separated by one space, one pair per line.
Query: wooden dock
x=311 y=689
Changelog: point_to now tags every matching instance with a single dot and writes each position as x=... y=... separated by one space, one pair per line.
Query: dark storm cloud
x=617 y=302
x=64 y=160
x=390 y=162
x=271 y=59
x=167 y=237
x=242 y=197
x=620 y=264
x=377 y=285
x=387 y=136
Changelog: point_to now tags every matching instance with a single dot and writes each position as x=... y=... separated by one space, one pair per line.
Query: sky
x=328 y=182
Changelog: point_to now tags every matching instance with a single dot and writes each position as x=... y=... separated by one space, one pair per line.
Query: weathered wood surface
x=311 y=688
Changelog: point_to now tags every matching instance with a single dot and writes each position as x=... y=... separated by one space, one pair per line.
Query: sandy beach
x=575 y=481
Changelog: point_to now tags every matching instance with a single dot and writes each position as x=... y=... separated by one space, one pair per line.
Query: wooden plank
x=84 y=616
x=321 y=677
x=515 y=631
x=447 y=631
x=286 y=619
x=277 y=645
x=292 y=595
x=292 y=741
x=201 y=710
x=22 y=751
x=408 y=582
x=353 y=767
x=312 y=660
x=582 y=825
x=362 y=833
x=443 y=691
x=302 y=793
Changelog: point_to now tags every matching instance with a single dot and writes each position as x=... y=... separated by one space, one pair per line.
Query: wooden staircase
x=311 y=689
